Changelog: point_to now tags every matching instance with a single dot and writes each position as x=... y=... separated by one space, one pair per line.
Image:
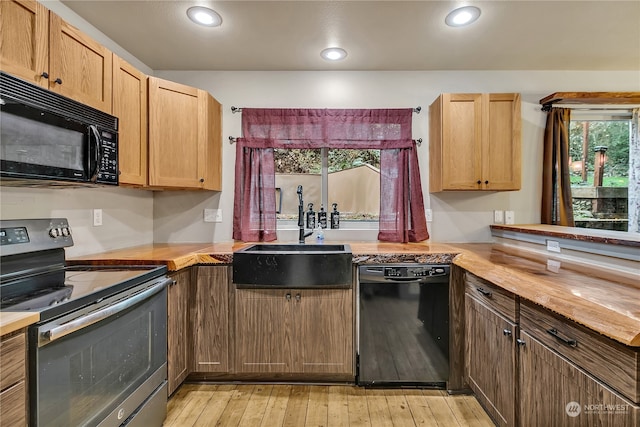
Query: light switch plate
x=429 y=215
x=509 y=217
x=498 y=217
x=213 y=215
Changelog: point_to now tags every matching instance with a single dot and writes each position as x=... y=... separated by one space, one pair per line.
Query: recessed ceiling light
x=333 y=54
x=462 y=16
x=204 y=16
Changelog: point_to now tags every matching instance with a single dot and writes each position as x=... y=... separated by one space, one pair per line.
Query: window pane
x=297 y=167
x=354 y=183
x=599 y=165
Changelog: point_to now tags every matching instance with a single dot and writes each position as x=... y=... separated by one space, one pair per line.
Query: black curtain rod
x=239 y=109
x=233 y=139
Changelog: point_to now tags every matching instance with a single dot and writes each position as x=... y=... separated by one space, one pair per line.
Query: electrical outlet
x=553 y=246
x=97 y=217
x=509 y=217
x=217 y=215
x=498 y=217
x=429 y=215
x=553 y=265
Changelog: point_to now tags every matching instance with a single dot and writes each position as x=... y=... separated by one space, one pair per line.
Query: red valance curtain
x=401 y=204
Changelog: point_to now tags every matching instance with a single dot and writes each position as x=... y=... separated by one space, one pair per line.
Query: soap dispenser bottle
x=311 y=218
x=322 y=217
x=335 y=217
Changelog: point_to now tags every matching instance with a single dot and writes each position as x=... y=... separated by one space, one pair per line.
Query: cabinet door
x=24 y=40
x=13 y=402
x=210 y=161
x=130 y=106
x=178 y=331
x=553 y=391
x=324 y=334
x=502 y=140
x=175 y=113
x=491 y=360
x=211 y=323
x=461 y=141
x=263 y=330
x=80 y=67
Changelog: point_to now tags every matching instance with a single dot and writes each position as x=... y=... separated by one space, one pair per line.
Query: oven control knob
x=54 y=232
x=66 y=232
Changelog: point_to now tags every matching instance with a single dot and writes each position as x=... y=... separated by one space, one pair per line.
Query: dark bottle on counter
x=311 y=217
x=335 y=217
x=322 y=217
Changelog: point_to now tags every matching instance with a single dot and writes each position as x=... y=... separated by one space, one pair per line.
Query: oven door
x=100 y=365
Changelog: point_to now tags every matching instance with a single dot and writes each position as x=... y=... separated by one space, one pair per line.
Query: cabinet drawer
x=613 y=363
x=12 y=360
x=503 y=302
x=13 y=402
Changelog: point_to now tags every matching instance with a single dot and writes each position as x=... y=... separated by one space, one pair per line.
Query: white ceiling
x=378 y=35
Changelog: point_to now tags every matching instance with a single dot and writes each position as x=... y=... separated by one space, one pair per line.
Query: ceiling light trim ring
x=204 y=16
x=462 y=16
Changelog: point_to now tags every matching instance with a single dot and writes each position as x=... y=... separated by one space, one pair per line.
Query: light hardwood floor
x=317 y=405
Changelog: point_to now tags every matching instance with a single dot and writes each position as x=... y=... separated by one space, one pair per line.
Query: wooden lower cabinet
x=555 y=392
x=491 y=360
x=300 y=331
x=13 y=389
x=211 y=320
x=178 y=329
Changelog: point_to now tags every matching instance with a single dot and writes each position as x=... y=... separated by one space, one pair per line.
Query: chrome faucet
x=302 y=235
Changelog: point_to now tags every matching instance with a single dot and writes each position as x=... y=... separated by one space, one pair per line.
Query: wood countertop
x=606 y=303
x=12 y=321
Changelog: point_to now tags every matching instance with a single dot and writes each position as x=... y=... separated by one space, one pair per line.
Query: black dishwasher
x=403 y=325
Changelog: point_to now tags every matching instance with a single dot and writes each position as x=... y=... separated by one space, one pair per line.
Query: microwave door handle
x=98 y=145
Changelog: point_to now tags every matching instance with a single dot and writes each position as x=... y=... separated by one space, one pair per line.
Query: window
x=350 y=178
x=599 y=168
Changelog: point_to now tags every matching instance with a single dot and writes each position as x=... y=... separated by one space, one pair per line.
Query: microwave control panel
x=108 y=172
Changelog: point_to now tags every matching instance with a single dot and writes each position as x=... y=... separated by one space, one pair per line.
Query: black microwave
x=46 y=138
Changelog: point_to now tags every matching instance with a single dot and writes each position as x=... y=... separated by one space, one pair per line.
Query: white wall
x=127 y=214
x=458 y=217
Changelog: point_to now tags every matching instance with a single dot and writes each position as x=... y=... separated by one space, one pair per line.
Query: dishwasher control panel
x=403 y=272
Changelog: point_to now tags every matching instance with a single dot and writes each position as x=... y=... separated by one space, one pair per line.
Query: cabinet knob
x=520 y=342
x=479 y=182
x=58 y=80
x=288 y=297
x=506 y=332
x=201 y=179
x=486 y=182
x=45 y=75
x=298 y=297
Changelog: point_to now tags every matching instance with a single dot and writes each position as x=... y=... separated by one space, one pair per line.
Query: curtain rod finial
x=417 y=109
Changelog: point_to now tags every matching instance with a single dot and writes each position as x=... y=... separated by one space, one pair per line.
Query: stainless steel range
x=98 y=355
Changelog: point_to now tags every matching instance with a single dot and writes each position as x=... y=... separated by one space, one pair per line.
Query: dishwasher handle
x=99 y=315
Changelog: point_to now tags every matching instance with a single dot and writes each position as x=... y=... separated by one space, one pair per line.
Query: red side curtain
x=402 y=217
x=557 y=203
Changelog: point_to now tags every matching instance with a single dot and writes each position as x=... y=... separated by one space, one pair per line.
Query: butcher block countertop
x=12 y=321
x=603 y=302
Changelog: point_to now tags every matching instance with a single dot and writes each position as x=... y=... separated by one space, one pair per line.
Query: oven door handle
x=95 y=317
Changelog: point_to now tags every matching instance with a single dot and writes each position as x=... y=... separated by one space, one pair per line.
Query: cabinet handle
x=173 y=282
x=520 y=342
x=507 y=332
x=568 y=341
x=288 y=297
x=58 y=80
x=485 y=292
x=45 y=75
x=298 y=297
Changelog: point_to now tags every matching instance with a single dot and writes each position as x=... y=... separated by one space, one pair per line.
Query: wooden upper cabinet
x=130 y=106
x=79 y=67
x=24 y=40
x=38 y=46
x=184 y=146
x=475 y=142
